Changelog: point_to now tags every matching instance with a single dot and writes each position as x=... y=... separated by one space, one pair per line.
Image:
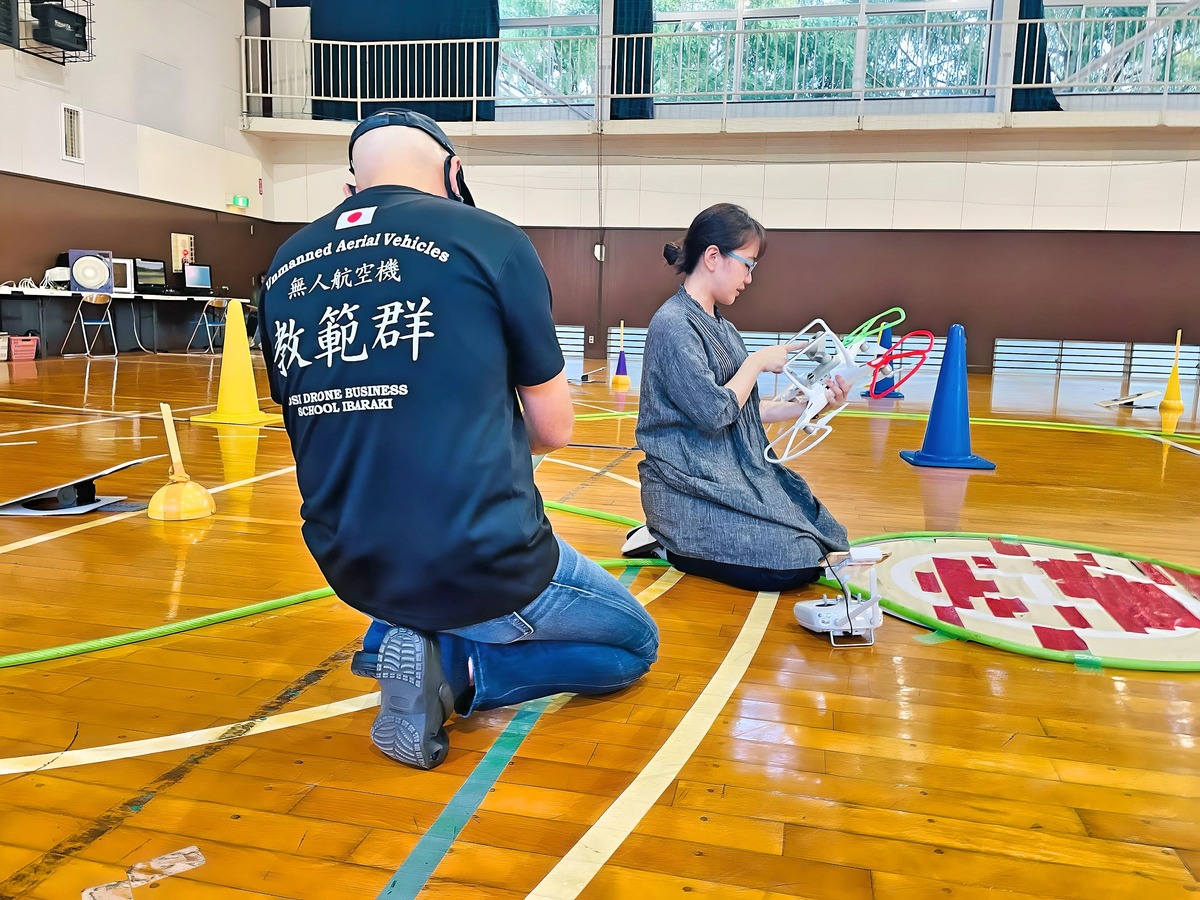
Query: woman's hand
x=773 y=359
x=836 y=390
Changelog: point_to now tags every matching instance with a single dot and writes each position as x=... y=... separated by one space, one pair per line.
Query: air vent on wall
x=72 y=134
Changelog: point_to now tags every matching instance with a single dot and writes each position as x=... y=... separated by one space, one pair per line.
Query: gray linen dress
x=707 y=490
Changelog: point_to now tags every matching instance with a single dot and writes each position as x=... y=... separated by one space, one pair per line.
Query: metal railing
x=960 y=56
x=1127 y=361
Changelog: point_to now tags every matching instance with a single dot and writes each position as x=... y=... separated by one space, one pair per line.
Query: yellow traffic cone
x=1171 y=407
x=237 y=397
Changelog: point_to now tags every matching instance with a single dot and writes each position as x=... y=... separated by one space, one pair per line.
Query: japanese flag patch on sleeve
x=353 y=217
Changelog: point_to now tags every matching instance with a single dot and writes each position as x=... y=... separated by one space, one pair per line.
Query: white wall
x=162 y=119
x=161 y=106
x=1051 y=179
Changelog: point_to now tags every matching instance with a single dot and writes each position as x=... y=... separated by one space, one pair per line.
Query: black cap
x=407 y=118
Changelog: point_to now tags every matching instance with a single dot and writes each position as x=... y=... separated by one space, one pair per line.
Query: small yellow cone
x=1170 y=418
x=237 y=397
x=1171 y=406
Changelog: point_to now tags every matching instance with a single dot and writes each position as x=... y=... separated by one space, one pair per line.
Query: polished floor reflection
x=782 y=767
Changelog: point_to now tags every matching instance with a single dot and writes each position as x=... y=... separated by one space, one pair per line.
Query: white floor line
x=573 y=465
x=117 y=517
x=607 y=409
x=579 y=866
x=17 y=765
x=96 y=421
x=62 y=425
x=64 y=760
x=1177 y=446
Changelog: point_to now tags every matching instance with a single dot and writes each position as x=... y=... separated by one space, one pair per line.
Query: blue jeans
x=584 y=634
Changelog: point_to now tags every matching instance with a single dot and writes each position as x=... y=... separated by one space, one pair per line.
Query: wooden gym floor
x=754 y=761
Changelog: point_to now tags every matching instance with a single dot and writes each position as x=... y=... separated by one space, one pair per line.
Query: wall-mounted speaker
x=10 y=24
x=59 y=27
x=91 y=271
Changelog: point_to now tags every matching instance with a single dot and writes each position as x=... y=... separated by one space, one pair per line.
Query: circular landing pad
x=1055 y=601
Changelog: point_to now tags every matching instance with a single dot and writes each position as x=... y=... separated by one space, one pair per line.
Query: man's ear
x=349 y=190
x=455 y=169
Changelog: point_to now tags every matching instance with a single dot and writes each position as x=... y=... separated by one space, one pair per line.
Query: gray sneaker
x=416 y=697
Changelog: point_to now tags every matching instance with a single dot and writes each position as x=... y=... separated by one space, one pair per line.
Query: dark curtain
x=453 y=69
x=632 y=62
x=1032 y=66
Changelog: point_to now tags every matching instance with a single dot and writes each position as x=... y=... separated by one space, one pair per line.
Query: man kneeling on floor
x=409 y=340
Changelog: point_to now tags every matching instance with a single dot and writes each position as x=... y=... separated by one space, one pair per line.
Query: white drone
x=826 y=356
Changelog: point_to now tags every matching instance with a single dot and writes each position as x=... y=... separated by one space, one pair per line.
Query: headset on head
x=407 y=118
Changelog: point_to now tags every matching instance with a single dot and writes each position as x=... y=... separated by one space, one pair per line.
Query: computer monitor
x=197 y=279
x=122 y=276
x=149 y=275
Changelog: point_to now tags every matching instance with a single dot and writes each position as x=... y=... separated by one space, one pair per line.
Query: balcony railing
x=895 y=63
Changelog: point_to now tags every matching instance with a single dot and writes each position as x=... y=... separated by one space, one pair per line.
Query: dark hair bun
x=672 y=253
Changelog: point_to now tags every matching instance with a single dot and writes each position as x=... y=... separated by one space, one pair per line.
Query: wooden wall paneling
x=1091 y=286
x=574 y=272
x=40 y=219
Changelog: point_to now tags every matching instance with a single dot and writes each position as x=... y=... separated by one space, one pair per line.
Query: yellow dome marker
x=181 y=498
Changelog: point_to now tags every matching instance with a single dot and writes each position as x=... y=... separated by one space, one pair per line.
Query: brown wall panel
x=40 y=219
x=569 y=259
x=1101 y=286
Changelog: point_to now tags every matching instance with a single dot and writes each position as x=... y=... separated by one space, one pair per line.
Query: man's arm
x=549 y=414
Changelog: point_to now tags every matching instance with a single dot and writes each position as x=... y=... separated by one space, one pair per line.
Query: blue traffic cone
x=948 y=434
x=883 y=385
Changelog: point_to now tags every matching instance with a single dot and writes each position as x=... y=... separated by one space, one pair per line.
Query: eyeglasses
x=750 y=263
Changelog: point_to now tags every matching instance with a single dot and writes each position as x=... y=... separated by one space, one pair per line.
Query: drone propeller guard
x=830 y=357
x=882 y=364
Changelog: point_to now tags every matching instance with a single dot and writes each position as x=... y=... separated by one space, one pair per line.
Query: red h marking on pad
x=1006 y=607
x=1073 y=617
x=948 y=614
x=929 y=582
x=1007 y=549
x=1059 y=638
x=960 y=582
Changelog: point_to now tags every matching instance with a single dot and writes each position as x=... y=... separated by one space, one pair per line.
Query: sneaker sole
x=413 y=707
x=640 y=549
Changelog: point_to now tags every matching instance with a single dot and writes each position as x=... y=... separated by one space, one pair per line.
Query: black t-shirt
x=395 y=330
